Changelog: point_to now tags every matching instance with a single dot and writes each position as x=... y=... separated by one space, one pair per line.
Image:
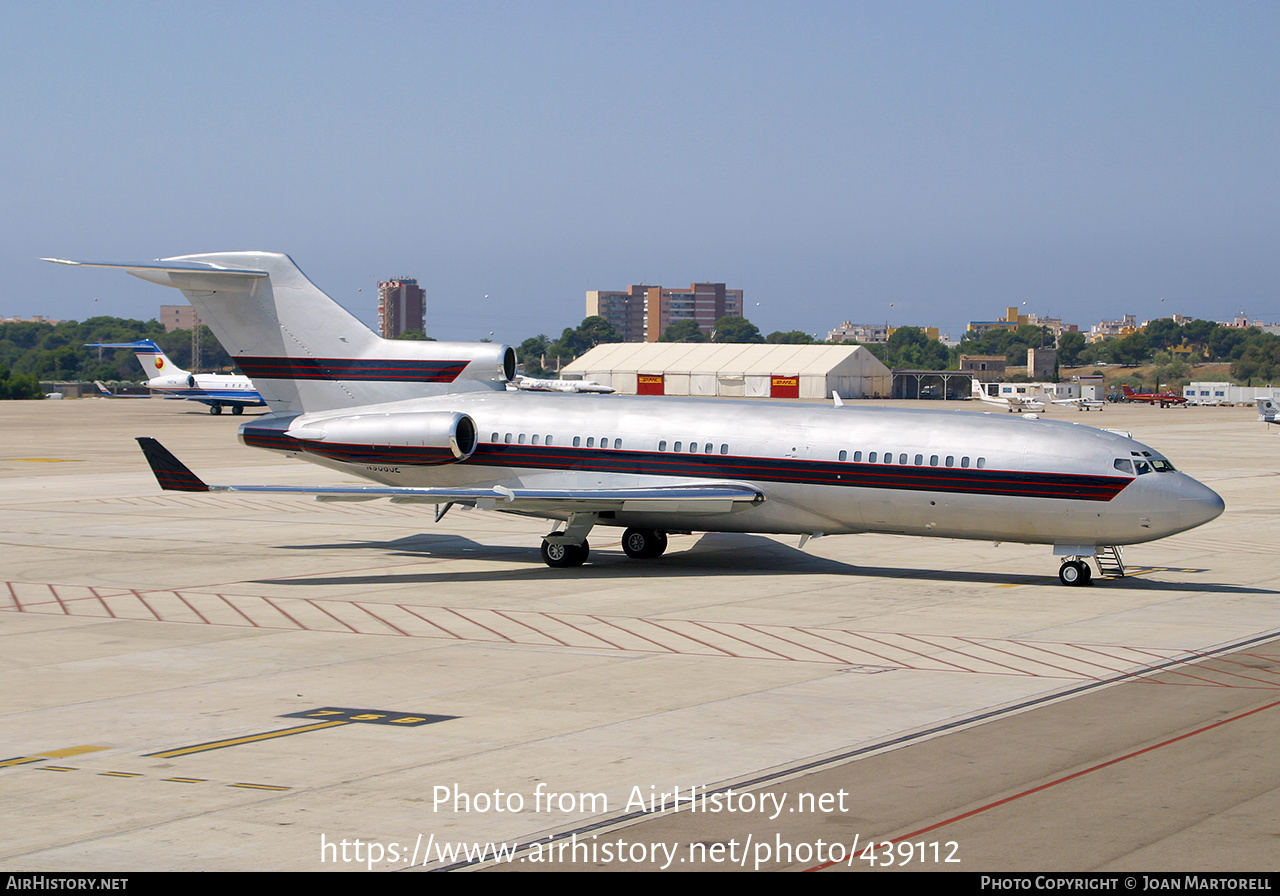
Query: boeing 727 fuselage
x=433 y=423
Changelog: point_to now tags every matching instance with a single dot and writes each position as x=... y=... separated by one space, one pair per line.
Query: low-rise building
x=734 y=370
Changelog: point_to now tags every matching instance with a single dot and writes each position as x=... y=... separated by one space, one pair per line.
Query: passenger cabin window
x=662 y=446
x=902 y=458
x=844 y=455
x=982 y=463
x=677 y=446
x=591 y=441
x=577 y=440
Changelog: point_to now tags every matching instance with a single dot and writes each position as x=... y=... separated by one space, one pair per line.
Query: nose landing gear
x=1075 y=572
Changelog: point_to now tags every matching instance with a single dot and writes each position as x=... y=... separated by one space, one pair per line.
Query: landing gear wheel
x=560 y=556
x=237 y=409
x=644 y=544
x=1075 y=572
x=215 y=409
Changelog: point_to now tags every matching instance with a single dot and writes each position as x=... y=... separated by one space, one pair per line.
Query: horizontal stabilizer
x=170 y=472
x=700 y=498
x=162 y=266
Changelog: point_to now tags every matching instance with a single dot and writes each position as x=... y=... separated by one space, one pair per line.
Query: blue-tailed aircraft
x=217 y=390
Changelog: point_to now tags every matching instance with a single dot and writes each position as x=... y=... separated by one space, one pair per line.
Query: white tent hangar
x=734 y=371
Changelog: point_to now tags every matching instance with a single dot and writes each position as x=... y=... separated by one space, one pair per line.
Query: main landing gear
x=568 y=546
x=644 y=544
x=215 y=409
x=564 y=555
x=560 y=551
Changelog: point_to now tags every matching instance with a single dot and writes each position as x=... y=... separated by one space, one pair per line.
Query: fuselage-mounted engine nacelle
x=425 y=438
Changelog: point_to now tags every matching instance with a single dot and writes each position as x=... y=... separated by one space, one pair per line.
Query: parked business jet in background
x=217 y=390
x=1009 y=403
x=433 y=423
x=1268 y=410
x=524 y=383
x=1164 y=399
x=1082 y=404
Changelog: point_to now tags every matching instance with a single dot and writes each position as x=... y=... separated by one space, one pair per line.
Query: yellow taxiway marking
x=248 y=739
x=185 y=780
x=258 y=786
x=70 y=751
x=50 y=754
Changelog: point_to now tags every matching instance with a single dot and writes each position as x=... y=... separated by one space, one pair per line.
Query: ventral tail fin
x=303 y=350
x=171 y=473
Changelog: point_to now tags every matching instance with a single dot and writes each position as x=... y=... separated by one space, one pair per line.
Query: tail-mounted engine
x=406 y=438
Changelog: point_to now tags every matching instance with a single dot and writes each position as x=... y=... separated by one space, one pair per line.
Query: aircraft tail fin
x=151 y=356
x=171 y=473
x=1124 y=387
x=303 y=350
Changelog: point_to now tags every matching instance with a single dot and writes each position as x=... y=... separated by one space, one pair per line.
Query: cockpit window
x=1162 y=466
x=1124 y=465
x=1143 y=467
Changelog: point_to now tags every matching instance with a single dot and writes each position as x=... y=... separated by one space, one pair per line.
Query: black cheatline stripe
x=419 y=455
x=270 y=439
x=1048 y=485
x=350 y=369
x=1064 y=486
x=422 y=455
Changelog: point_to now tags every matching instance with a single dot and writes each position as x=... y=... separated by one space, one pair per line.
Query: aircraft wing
x=709 y=497
x=107 y=393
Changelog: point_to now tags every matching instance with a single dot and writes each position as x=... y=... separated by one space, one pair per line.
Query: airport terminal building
x=734 y=370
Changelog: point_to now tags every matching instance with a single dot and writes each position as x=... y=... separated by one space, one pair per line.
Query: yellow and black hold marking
x=325 y=716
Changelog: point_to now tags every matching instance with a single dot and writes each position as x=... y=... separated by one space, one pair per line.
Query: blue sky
x=902 y=162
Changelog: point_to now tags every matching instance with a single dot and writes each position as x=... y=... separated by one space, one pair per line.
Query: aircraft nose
x=1184 y=503
x=1198 y=504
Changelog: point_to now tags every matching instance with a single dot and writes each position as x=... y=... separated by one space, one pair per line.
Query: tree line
x=48 y=351
x=34 y=351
